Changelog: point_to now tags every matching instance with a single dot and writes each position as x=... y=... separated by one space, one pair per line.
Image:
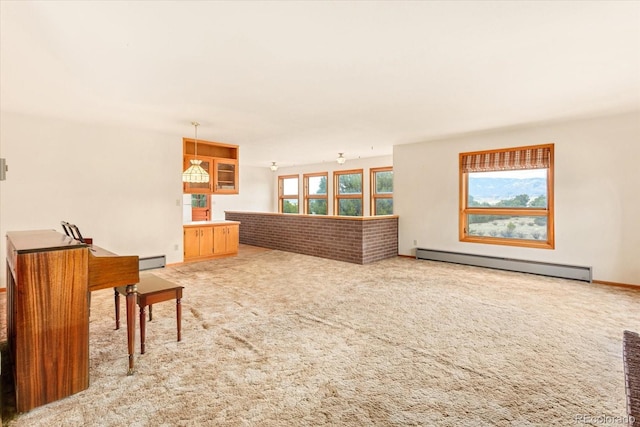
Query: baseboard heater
x=149 y=263
x=534 y=267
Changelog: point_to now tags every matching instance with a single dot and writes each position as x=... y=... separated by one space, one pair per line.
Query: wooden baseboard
x=619 y=285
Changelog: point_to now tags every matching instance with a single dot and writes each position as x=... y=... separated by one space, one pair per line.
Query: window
x=506 y=197
x=315 y=193
x=200 y=207
x=348 y=192
x=382 y=191
x=288 y=194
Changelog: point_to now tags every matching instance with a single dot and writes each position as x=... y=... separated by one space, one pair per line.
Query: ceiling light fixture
x=195 y=172
x=341 y=159
x=273 y=167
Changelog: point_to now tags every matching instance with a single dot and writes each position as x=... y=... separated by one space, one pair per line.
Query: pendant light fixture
x=195 y=173
x=273 y=167
x=341 y=159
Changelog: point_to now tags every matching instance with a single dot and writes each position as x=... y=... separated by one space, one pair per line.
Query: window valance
x=537 y=157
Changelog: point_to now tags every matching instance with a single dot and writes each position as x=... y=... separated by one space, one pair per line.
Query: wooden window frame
x=308 y=197
x=372 y=183
x=336 y=194
x=547 y=212
x=282 y=197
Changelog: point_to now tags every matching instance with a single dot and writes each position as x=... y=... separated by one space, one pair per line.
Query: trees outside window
x=348 y=198
x=315 y=193
x=382 y=191
x=288 y=200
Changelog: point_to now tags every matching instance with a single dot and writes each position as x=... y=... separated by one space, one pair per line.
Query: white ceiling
x=298 y=82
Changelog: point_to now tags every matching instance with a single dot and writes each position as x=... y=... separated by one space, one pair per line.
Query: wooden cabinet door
x=233 y=236
x=191 y=242
x=225 y=179
x=206 y=241
x=202 y=187
x=219 y=240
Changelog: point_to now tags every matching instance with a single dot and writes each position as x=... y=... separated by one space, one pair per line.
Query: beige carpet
x=276 y=339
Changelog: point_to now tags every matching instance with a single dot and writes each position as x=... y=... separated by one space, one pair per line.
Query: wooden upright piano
x=49 y=277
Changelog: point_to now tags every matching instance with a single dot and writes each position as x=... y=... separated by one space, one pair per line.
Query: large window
x=506 y=196
x=381 y=191
x=347 y=192
x=315 y=193
x=288 y=201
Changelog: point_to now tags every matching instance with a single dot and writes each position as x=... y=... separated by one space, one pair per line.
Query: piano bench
x=151 y=290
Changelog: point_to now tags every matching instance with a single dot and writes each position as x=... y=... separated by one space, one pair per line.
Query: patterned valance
x=510 y=159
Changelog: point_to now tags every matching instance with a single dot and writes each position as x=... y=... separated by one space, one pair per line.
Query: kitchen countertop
x=212 y=222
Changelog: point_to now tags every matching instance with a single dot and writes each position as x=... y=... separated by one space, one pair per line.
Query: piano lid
x=41 y=241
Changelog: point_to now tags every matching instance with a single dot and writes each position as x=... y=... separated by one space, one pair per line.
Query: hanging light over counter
x=195 y=173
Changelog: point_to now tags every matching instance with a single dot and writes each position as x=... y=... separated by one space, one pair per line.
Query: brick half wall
x=359 y=240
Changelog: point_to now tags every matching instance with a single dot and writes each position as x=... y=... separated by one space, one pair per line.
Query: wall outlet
x=415 y=242
x=176 y=247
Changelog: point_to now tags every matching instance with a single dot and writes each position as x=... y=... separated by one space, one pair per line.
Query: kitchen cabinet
x=219 y=160
x=199 y=187
x=225 y=176
x=198 y=242
x=210 y=239
x=225 y=239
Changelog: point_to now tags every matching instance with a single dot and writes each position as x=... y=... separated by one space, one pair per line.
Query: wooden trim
x=504 y=241
x=508 y=211
x=617 y=284
x=174 y=264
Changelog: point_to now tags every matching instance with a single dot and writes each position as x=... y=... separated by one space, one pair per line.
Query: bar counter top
x=211 y=222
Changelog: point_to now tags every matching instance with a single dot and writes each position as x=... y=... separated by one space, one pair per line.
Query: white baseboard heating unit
x=149 y=263
x=534 y=267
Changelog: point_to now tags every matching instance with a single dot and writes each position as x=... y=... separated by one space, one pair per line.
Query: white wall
x=256 y=187
x=122 y=187
x=597 y=183
x=330 y=167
